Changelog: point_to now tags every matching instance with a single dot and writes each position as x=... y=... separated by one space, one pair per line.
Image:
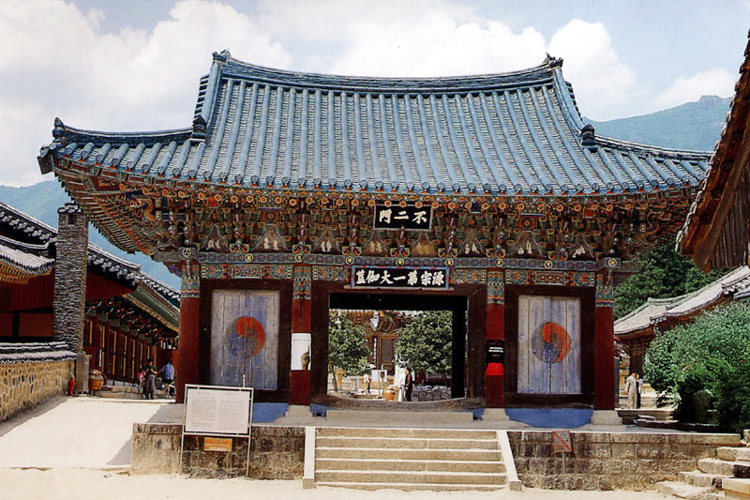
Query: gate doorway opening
x=382 y=334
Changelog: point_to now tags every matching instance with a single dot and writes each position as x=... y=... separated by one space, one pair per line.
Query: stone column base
x=495 y=415
x=606 y=417
x=298 y=411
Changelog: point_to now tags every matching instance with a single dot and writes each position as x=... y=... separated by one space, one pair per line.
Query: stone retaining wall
x=275 y=453
x=605 y=461
x=25 y=385
x=598 y=461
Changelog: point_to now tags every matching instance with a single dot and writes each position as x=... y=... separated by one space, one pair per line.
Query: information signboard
x=495 y=351
x=218 y=410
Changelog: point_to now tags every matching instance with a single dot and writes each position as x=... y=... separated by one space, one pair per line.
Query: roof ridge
x=230 y=66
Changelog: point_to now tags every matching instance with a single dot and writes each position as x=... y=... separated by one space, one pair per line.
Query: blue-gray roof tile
x=513 y=133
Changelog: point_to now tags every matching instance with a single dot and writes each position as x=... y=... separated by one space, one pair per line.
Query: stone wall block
x=71 y=261
x=25 y=385
x=623 y=450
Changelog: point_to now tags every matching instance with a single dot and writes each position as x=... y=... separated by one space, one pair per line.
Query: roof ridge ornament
x=222 y=56
x=553 y=62
x=200 y=128
x=588 y=137
x=59 y=130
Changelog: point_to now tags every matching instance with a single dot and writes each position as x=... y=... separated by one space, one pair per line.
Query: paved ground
x=74 y=432
x=79 y=448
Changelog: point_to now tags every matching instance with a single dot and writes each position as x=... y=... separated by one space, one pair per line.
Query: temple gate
x=293 y=190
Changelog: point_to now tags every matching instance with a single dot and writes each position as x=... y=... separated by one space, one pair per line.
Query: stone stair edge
x=406 y=486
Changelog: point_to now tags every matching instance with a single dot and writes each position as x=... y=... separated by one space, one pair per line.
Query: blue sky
x=134 y=65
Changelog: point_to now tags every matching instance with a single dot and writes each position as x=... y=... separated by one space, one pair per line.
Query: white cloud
x=396 y=38
x=57 y=63
x=717 y=81
x=602 y=83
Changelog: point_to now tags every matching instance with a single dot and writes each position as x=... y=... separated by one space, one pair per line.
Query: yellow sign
x=217 y=444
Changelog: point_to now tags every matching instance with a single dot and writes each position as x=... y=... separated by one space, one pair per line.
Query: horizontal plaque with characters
x=408 y=217
x=399 y=277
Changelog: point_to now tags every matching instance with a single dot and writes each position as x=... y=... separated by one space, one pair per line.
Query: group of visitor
x=146 y=378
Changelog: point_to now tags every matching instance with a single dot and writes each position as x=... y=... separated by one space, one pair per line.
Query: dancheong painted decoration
x=309 y=185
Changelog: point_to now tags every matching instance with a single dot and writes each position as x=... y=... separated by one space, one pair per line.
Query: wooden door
x=245 y=338
x=549 y=344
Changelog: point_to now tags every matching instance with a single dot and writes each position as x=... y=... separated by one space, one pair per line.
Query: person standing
x=168 y=377
x=638 y=390
x=630 y=390
x=408 y=384
x=150 y=386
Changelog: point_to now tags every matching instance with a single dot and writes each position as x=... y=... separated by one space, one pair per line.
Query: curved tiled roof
x=23 y=258
x=43 y=234
x=735 y=284
x=513 y=133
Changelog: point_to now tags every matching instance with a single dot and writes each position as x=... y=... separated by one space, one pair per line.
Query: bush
x=712 y=353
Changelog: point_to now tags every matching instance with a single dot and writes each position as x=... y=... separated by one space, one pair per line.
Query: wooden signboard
x=407 y=217
x=399 y=277
x=217 y=444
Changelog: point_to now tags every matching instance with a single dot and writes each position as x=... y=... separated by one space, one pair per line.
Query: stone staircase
x=715 y=477
x=411 y=459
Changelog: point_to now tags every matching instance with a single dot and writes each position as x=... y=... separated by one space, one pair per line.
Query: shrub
x=711 y=353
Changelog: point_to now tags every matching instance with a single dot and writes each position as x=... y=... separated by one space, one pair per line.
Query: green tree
x=713 y=353
x=662 y=273
x=347 y=347
x=425 y=344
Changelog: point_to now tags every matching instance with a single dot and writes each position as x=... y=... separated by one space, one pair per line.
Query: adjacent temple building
x=292 y=194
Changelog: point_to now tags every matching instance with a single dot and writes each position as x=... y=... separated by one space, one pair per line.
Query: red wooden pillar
x=186 y=363
x=494 y=376
x=604 y=344
x=299 y=373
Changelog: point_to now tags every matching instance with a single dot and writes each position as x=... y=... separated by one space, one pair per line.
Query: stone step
x=397 y=432
x=698 y=478
x=743 y=455
x=413 y=443
x=410 y=477
x=411 y=487
x=728 y=453
x=402 y=417
x=715 y=466
x=737 y=488
x=410 y=454
x=388 y=464
x=682 y=490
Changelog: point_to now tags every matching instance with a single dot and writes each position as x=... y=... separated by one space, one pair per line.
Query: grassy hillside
x=695 y=125
x=42 y=200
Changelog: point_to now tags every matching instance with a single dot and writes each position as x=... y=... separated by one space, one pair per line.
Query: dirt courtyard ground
x=79 y=448
x=83 y=484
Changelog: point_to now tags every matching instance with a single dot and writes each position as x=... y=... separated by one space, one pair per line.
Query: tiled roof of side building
x=516 y=133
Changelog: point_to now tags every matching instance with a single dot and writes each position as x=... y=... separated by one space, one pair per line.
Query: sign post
x=220 y=413
x=561 y=444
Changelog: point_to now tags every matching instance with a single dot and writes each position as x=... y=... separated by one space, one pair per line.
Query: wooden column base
x=299 y=387
x=604 y=359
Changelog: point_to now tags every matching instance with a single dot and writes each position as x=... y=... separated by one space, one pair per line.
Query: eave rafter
x=160 y=215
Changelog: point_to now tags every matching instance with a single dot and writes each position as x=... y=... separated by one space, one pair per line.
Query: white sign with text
x=218 y=410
